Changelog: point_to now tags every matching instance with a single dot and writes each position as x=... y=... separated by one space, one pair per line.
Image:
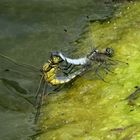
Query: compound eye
x=56 y=59
x=109 y=51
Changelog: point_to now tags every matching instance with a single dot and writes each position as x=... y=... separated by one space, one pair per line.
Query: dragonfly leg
x=67 y=67
x=63 y=68
x=58 y=88
x=106 y=67
x=71 y=69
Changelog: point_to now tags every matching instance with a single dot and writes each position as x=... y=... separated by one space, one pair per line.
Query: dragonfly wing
x=22 y=80
x=97 y=71
x=10 y=66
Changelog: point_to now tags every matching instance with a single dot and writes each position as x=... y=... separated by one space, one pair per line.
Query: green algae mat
x=94 y=109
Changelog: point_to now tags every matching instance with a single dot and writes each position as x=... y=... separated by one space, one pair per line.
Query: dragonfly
x=97 y=59
x=93 y=55
x=56 y=72
x=51 y=75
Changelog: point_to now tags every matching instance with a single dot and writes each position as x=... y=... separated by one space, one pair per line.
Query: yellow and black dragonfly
x=51 y=74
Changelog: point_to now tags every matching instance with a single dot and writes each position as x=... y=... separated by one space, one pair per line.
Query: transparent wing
x=94 y=72
x=8 y=65
x=98 y=70
x=17 y=81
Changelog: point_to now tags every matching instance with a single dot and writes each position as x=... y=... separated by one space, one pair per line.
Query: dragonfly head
x=55 y=57
x=109 y=52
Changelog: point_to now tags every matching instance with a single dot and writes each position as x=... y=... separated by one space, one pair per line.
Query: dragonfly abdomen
x=56 y=80
x=78 y=61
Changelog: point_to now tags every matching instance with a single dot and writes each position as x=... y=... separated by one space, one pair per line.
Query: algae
x=93 y=109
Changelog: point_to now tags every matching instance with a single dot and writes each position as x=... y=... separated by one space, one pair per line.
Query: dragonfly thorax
x=49 y=72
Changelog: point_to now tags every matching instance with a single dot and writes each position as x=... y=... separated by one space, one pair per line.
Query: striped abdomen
x=51 y=76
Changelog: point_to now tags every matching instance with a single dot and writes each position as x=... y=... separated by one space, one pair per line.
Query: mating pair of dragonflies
x=60 y=70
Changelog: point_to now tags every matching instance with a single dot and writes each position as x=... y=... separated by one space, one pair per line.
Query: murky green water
x=29 y=30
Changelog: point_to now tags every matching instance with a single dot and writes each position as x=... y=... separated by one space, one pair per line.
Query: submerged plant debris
x=93 y=109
